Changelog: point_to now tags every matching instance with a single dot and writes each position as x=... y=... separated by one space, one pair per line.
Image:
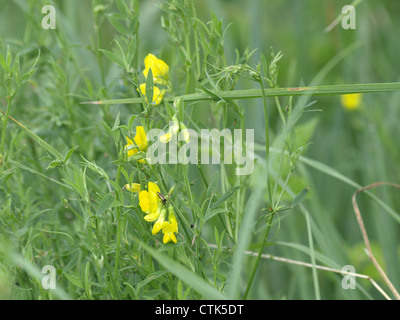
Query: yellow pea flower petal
x=151 y=217
x=160 y=222
x=140 y=138
x=170 y=227
x=168 y=230
x=165 y=138
x=134 y=187
x=158 y=94
x=153 y=188
x=139 y=143
x=158 y=67
x=351 y=101
x=148 y=201
x=133 y=150
x=185 y=132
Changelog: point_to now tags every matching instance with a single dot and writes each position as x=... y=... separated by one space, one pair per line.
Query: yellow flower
x=166 y=137
x=158 y=94
x=158 y=67
x=149 y=201
x=160 y=222
x=153 y=216
x=134 y=187
x=170 y=227
x=185 y=132
x=174 y=129
x=351 y=101
x=139 y=143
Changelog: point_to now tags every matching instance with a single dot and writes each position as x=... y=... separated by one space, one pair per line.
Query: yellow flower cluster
x=160 y=71
x=156 y=210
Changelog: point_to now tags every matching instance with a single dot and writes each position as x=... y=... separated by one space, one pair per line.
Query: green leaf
x=150 y=278
x=300 y=196
x=3 y=62
x=69 y=154
x=191 y=279
x=170 y=109
x=54 y=164
x=225 y=196
x=8 y=58
x=48 y=148
x=87 y=282
x=212 y=213
x=76 y=281
x=195 y=207
x=106 y=203
x=149 y=87
x=113 y=18
x=113 y=57
x=131 y=120
x=116 y=123
x=212 y=186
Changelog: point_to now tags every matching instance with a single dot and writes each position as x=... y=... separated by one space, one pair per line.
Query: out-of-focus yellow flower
x=134 y=187
x=139 y=143
x=158 y=67
x=149 y=202
x=173 y=129
x=185 y=132
x=351 y=101
x=176 y=127
x=158 y=94
x=170 y=227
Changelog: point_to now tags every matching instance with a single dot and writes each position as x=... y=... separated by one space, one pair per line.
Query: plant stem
x=119 y=235
x=196 y=40
x=253 y=273
x=266 y=142
x=3 y=134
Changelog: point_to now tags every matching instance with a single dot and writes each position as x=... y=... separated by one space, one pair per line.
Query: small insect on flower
x=162 y=197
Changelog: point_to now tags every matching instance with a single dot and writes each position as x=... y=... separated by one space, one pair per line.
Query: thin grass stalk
x=365 y=236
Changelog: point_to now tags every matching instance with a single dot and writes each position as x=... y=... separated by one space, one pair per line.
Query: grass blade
x=279 y=92
x=198 y=284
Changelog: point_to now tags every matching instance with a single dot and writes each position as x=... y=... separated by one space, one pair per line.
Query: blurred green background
x=363 y=145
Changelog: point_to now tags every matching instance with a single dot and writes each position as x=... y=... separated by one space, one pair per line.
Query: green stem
x=196 y=40
x=203 y=177
x=266 y=142
x=280 y=92
x=107 y=265
x=187 y=49
x=137 y=34
x=3 y=135
x=277 y=182
x=278 y=105
x=253 y=273
x=119 y=227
